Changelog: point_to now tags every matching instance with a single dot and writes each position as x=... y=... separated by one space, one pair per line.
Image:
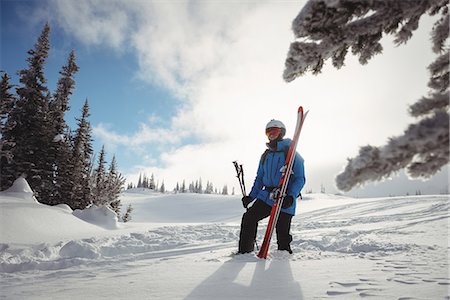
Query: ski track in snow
x=157 y=243
x=391 y=232
x=394 y=248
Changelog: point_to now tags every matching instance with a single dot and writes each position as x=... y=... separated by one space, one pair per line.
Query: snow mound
x=101 y=216
x=20 y=189
x=20 y=185
x=29 y=222
x=80 y=249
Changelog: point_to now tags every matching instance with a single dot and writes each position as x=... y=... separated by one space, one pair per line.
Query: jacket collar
x=280 y=144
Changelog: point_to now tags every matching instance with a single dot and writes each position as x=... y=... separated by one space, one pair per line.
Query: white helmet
x=277 y=124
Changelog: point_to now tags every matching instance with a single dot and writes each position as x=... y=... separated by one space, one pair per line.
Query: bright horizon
x=180 y=90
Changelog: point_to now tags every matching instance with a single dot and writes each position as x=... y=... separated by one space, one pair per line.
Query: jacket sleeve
x=297 y=180
x=258 y=183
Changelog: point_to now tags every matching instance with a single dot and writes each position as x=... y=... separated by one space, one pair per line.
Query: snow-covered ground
x=178 y=246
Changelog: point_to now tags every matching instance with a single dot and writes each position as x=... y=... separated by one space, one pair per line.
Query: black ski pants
x=249 y=227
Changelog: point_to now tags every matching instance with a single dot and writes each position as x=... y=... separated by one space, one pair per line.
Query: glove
x=246 y=200
x=288 y=201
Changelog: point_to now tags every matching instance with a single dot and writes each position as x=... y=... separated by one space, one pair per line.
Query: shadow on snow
x=234 y=280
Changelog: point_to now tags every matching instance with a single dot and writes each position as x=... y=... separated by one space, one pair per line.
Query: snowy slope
x=178 y=246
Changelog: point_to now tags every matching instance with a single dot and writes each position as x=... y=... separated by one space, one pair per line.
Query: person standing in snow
x=266 y=182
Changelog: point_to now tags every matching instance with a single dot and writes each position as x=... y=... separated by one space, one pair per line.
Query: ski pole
x=242 y=179
x=240 y=176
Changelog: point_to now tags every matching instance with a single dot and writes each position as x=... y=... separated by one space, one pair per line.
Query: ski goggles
x=273 y=131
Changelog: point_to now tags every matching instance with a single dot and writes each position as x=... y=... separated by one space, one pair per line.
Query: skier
x=266 y=186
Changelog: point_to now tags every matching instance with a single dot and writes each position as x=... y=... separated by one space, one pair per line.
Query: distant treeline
x=149 y=182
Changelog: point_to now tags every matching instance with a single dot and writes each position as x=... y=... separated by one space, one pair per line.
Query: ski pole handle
x=240 y=176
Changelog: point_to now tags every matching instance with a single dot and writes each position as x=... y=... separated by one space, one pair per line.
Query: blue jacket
x=269 y=175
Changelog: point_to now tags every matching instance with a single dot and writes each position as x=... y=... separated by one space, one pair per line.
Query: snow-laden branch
x=426 y=105
x=422 y=150
x=329 y=28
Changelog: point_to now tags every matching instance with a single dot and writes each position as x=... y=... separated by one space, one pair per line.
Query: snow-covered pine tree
x=127 y=216
x=329 y=29
x=183 y=186
x=7 y=103
x=225 y=190
x=162 y=188
x=139 y=184
x=209 y=188
x=198 y=188
x=99 y=183
x=60 y=150
x=206 y=191
x=82 y=161
x=151 y=184
x=145 y=181
x=114 y=184
x=32 y=133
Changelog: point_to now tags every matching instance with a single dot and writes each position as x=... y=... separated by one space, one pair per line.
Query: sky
x=180 y=89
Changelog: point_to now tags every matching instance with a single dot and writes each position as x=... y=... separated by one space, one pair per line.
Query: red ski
x=284 y=181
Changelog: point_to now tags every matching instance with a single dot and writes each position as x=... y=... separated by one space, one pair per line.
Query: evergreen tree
x=32 y=133
x=225 y=190
x=183 y=186
x=329 y=29
x=146 y=181
x=82 y=161
x=99 y=183
x=209 y=188
x=127 y=216
x=162 y=189
x=114 y=183
x=200 y=187
x=65 y=86
x=7 y=103
x=139 y=184
x=151 y=184
x=60 y=150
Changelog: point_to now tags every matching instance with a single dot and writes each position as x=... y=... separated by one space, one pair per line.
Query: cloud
x=144 y=136
x=94 y=22
x=178 y=43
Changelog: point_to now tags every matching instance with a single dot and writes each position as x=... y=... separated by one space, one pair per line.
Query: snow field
x=179 y=247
